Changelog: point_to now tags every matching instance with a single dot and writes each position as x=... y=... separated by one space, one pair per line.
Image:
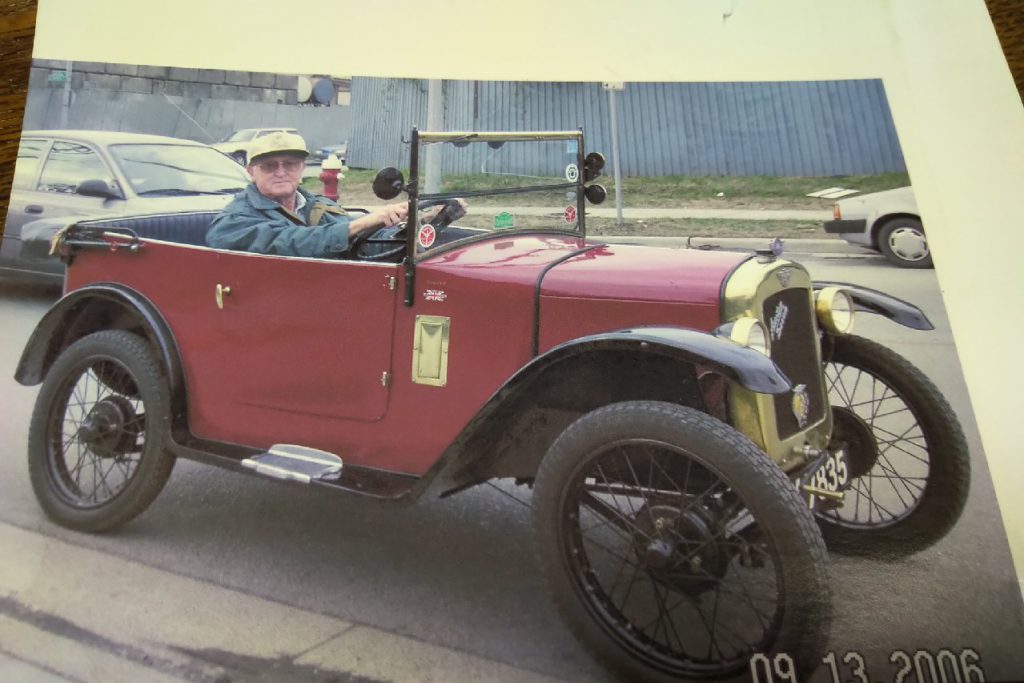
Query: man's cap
x=278 y=143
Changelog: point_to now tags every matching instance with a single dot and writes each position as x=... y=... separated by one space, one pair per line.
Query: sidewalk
x=816 y=215
x=823 y=248
x=69 y=613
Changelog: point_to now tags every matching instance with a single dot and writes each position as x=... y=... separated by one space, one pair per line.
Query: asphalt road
x=458 y=575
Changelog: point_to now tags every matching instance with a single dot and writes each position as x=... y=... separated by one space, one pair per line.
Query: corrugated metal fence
x=806 y=128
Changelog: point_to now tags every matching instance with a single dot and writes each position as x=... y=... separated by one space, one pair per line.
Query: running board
x=296 y=463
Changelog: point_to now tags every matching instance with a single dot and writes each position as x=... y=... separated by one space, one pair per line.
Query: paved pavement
x=154 y=625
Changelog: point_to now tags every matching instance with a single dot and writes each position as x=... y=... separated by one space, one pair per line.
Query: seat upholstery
x=183 y=228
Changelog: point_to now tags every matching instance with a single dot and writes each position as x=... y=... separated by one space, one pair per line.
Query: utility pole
x=613 y=87
x=65 y=104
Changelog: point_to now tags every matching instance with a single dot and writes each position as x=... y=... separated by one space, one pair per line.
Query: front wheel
x=96 y=452
x=907 y=453
x=674 y=548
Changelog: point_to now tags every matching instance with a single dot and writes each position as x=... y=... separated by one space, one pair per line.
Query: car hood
x=643 y=273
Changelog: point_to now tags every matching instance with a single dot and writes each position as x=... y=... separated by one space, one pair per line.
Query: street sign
x=504 y=220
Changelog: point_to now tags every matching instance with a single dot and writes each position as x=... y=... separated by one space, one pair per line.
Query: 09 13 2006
x=921 y=666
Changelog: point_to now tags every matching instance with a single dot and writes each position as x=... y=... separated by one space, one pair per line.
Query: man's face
x=277 y=176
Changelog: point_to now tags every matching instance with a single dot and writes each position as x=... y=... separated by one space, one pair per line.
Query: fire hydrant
x=329 y=175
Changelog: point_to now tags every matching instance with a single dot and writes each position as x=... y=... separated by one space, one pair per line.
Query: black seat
x=183 y=228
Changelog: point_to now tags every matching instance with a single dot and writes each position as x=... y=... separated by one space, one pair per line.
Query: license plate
x=832 y=476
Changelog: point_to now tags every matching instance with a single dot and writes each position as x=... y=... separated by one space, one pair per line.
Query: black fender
x=475 y=454
x=873 y=301
x=68 y=320
x=747 y=367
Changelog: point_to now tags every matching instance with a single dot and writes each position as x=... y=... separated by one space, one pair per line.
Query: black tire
x=96 y=444
x=240 y=157
x=903 y=243
x=706 y=492
x=907 y=447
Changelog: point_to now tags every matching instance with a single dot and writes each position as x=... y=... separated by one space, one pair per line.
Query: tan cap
x=277 y=143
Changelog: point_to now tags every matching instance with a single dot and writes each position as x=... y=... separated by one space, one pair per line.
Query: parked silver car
x=93 y=173
x=888 y=222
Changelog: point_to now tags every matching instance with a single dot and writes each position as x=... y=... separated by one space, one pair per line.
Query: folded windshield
x=507 y=184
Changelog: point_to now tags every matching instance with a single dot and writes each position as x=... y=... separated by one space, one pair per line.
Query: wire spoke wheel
x=96 y=454
x=97 y=434
x=663 y=552
x=676 y=554
x=908 y=458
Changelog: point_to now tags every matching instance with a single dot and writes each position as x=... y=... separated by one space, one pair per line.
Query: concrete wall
x=198 y=104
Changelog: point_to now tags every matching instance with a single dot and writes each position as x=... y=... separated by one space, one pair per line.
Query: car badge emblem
x=801 y=404
x=778 y=321
x=784 y=275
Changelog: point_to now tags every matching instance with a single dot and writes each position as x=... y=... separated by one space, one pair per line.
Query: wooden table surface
x=17 y=26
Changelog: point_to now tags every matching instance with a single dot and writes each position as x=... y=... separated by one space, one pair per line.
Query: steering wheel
x=396 y=235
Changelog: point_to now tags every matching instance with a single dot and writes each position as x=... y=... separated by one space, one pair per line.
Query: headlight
x=752 y=333
x=835 y=310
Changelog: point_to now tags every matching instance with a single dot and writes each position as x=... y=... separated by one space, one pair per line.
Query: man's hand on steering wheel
x=444 y=214
x=438 y=213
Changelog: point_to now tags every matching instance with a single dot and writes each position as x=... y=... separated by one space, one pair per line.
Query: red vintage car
x=696 y=426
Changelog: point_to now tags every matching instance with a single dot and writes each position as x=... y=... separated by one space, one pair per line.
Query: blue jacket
x=252 y=222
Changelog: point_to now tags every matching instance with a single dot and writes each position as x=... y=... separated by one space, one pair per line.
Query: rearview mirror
x=592 y=166
x=388 y=183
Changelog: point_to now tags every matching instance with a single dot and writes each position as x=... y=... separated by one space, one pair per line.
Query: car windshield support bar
x=412 y=188
x=504 y=190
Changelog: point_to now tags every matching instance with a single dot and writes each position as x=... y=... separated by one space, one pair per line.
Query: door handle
x=33 y=208
x=219 y=292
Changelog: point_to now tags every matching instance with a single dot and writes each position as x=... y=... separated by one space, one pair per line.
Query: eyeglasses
x=289 y=165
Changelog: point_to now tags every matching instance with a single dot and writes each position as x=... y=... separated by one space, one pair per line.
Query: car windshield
x=514 y=184
x=155 y=169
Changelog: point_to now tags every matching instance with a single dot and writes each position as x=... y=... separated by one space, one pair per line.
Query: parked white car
x=238 y=143
x=888 y=222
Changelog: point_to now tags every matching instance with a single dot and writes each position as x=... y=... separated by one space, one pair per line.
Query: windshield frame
x=412 y=187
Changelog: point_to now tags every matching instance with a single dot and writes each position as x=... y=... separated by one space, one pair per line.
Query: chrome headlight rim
x=751 y=333
x=835 y=309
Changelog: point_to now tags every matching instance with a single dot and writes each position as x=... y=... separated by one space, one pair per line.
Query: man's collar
x=260 y=201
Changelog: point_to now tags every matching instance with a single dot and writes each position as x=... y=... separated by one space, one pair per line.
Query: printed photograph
x=341 y=377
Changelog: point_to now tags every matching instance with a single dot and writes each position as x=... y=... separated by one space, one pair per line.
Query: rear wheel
x=96 y=440
x=908 y=456
x=675 y=548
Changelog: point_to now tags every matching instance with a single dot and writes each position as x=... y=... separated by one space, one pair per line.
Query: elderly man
x=276 y=216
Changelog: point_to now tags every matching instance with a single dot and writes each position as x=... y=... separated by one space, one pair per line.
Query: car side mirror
x=94 y=187
x=388 y=183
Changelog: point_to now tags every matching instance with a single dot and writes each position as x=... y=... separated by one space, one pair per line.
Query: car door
x=302 y=346
x=63 y=165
